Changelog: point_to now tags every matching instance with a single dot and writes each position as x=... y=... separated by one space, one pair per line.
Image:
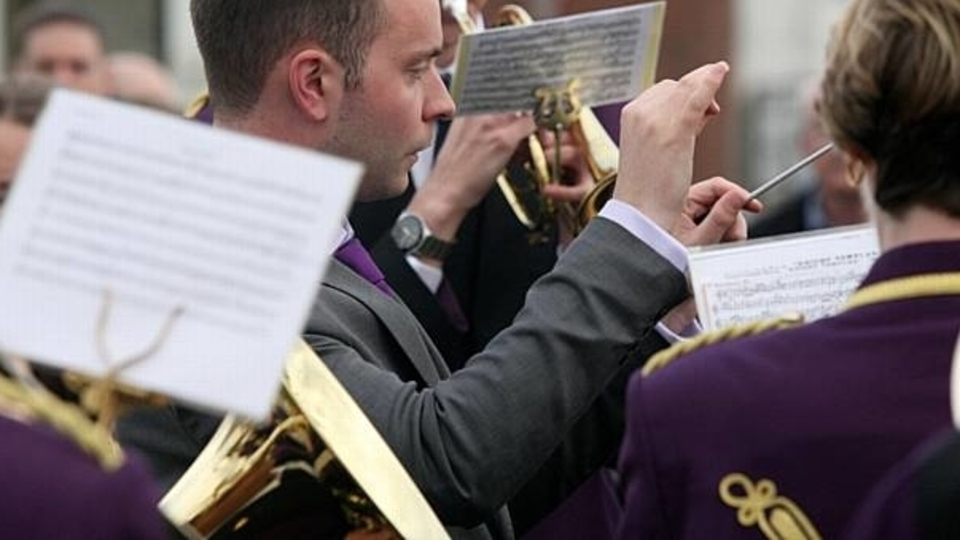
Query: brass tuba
x=530 y=170
x=318 y=462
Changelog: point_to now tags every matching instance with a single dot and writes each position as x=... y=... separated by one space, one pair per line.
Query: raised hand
x=658 y=135
x=476 y=150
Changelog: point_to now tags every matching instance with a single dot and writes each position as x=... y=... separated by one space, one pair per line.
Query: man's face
x=387 y=120
x=68 y=53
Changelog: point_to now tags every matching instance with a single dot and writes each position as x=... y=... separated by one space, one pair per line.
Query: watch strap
x=431 y=247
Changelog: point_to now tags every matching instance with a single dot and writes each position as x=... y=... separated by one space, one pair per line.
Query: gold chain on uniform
x=65 y=418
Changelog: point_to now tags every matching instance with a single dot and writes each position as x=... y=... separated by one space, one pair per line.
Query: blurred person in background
x=21 y=99
x=140 y=79
x=63 y=43
x=831 y=200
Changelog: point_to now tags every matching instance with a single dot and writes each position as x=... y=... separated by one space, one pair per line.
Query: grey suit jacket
x=471 y=439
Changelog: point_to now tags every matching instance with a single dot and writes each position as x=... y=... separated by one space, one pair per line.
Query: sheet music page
x=612 y=52
x=161 y=214
x=808 y=273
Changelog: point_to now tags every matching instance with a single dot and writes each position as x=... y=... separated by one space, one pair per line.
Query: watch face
x=407 y=232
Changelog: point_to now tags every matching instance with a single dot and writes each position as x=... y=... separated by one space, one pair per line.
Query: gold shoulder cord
x=666 y=356
x=66 y=419
x=920 y=286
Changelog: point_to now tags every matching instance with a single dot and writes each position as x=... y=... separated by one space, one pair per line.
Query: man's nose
x=64 y=75
x=440 y=105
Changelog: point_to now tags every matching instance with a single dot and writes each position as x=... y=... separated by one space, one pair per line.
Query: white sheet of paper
x=808 y=273
x=166 y=213
x=612 y=52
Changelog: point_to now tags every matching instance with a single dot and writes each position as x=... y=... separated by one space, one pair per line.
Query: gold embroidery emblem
x=758 y=505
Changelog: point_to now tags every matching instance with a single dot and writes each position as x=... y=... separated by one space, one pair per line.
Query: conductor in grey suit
x=357 y=78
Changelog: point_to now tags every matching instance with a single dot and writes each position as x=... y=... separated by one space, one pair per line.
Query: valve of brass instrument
x=558 y=110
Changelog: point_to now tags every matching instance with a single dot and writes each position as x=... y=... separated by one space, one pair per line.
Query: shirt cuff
x=431 y=276
x=647 y=232
x=672 y=337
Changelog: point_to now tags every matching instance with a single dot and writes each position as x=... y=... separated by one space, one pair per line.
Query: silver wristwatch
x=413 y=237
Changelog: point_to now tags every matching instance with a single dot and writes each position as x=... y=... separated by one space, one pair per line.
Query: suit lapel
x=396 y=317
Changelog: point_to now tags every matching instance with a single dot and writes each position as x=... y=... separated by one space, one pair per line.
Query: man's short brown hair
x=240 y=40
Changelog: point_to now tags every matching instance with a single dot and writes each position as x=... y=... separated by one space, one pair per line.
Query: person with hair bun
x=784 y=433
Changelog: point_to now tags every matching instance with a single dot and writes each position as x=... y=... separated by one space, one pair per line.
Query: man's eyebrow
x=427 y=54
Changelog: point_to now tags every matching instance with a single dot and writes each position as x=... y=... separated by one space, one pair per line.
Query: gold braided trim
x=65 y=418
x=925 y=285
x=661 y=359
x=759 y=505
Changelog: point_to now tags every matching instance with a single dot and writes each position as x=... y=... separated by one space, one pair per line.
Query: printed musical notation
x=144 y=214
x=613 y=53
x=811 y=274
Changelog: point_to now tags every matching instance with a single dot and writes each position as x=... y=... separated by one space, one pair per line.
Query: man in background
x=832 y=199
x=22 y=97
x=139 y=79
x=64 y=44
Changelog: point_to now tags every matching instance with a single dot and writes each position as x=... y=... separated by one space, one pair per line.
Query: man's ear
x=316 y=82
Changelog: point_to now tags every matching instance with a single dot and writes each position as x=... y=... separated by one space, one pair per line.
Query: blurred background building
x=772 y=45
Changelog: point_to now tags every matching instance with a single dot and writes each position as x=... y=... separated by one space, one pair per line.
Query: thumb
x=723 y=216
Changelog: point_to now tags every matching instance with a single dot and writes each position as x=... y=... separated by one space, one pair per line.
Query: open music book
x=811 y=274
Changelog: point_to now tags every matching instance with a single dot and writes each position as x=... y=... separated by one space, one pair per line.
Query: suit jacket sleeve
x=592 y=444
x=473 y=439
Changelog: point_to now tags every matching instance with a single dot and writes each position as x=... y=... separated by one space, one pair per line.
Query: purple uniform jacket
x=918 y=499
x=52 y=489
x=822 y=411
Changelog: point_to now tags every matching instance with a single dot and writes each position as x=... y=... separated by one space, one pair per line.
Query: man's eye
x=79 y=67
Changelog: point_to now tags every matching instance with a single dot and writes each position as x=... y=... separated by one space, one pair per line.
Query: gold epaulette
x=67 y=419
x=197 y=105
x=666 y=356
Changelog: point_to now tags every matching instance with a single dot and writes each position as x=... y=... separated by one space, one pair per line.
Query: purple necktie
x=451 y=306
x=354 y=255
